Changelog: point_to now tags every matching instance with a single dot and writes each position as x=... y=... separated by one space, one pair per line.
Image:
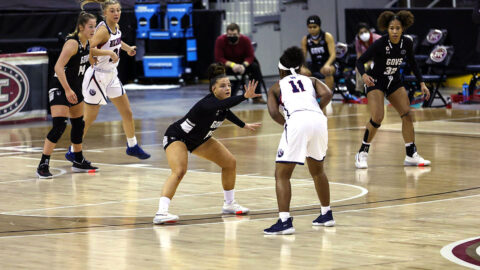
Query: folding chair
x=436 y=63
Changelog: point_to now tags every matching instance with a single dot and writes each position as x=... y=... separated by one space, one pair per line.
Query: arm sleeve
x=219 y=51
x=249 y=50
x=234 y=119
x=413 y=64
x=366 y=56
x=216 y=104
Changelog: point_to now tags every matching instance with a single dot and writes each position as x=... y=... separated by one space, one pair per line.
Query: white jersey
x=114 y=43
x=297 y=93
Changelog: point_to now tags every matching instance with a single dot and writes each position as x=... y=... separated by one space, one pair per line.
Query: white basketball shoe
x=416 y=160
x=161 y=218
x=234 y=208
x=361 y=160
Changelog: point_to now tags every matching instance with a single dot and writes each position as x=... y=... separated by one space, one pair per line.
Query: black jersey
x=76 y=66
x=318 y=49
x=205 y=117
x=387 y=58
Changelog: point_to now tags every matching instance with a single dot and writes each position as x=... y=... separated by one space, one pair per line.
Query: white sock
x=325 y=209
x=408 y=144
x=132 y=141
x=163 y=204
x=229 y=196
x=284 y=216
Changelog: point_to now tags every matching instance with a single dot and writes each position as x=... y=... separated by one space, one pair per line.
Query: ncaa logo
x=14 y=89
x=434 y=36
x=341 y=49
x=280 y=153
x=439 y=54
x=92 y=92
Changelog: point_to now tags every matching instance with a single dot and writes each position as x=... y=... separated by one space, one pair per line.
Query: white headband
x=292 y=70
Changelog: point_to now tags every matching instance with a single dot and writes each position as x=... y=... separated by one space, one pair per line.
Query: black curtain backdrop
x=20 y=30
x=462 y=33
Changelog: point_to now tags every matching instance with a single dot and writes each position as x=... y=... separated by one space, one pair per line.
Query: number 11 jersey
x=297 y=93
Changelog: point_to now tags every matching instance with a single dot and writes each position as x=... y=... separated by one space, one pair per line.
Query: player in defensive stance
x=305 y=136
x=193 y=133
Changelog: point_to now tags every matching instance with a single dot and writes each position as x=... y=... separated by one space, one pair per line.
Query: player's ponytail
x=405 y=17
x=214 y=72
x=292 y=58
x=82 y=20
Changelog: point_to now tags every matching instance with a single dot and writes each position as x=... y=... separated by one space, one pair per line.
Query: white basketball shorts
x=98 y=85
x=305 y=135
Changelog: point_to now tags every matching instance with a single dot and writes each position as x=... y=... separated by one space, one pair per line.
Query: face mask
x=365 y=36
x=232 y=39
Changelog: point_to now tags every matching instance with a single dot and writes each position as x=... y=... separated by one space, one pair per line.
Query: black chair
x=436 y=63
x=474 y=85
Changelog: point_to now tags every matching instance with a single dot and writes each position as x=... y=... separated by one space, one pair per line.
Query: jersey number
x=295 y=88
x=390 y=71
x=81 y=70
x=116 y=52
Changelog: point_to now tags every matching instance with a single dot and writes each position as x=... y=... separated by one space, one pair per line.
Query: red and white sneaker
x=361 y=160
x=416 y=160
x=234 y=208
x=161 y=218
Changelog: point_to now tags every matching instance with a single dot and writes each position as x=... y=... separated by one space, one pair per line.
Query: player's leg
x=59 y=119
x=123 y=106
x=177 y=157
x=216 y=152
x=399 y=100
x=375 y=105
x=80 y=164
x=322 y=187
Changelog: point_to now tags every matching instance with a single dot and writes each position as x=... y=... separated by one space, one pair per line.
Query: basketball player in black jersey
x=383 y=80
x=193 y=133
x=321 y=47
x=65 y=95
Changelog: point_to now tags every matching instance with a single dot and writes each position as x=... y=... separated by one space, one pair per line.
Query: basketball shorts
x=386 y=85
x=56 y=95
x=173 y=135
x=305 y=135
x=98 y=86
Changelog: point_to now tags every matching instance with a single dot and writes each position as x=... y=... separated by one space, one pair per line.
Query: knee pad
x=59 y=125
x=375 y=125
x=407 y=114
x=78 y=125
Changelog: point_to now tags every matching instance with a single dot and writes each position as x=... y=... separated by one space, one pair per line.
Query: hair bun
x=214 y=70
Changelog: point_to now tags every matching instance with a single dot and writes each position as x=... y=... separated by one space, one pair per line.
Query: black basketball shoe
x=84 y=166
x=43 y=171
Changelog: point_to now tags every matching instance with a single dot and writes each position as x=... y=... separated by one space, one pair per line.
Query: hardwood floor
x=387 y=216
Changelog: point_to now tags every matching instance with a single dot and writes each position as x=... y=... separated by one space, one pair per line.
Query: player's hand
x=425 y=90
x=114 y=57
x=250 y=90
x=252 y=126
x=368 y=80
x=132 y=51
x=71 y=96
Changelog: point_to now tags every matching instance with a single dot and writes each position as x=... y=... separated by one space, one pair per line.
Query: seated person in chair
x=235 y=51
x=321 y=47
x=363 y=39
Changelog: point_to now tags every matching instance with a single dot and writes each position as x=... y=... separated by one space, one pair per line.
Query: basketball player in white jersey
x=101 y=80
x=305 y=136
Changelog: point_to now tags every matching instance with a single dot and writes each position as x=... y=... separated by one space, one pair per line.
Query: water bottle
x=465 y=92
